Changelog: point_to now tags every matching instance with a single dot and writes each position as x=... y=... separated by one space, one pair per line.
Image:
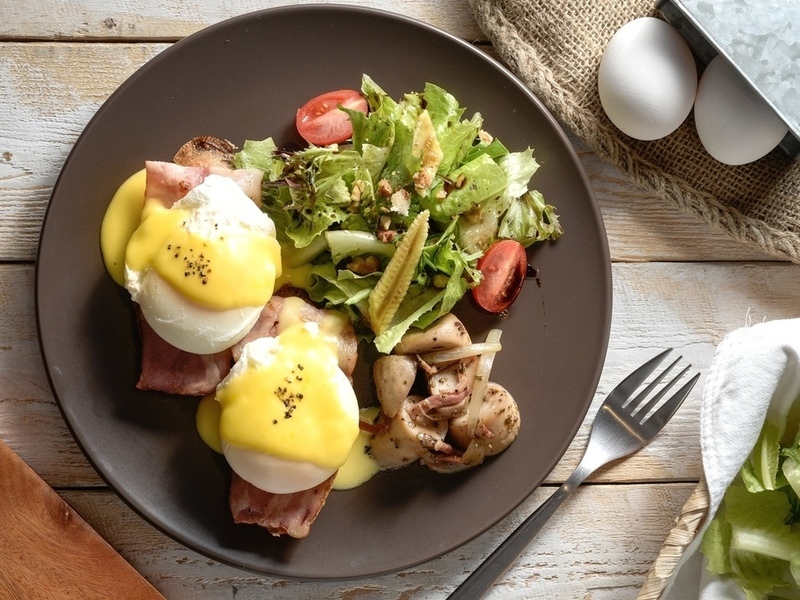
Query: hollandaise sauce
x=122 y=217
x=213 y=245
x=225 y=271
x=359 y=466
x=207 y=422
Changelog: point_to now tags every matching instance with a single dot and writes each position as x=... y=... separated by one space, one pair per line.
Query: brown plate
x=244 y=79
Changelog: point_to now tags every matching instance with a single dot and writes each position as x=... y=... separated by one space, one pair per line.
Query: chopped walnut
x=385 y=222
x=384 y=188
x=355 y=195
x=386 y=235
x=423 y=179
x=364 y=265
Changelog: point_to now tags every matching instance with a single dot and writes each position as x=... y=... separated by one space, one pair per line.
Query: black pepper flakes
x=194 y=266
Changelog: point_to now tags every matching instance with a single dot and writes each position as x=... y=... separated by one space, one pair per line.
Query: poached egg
x=203 y=269
x=288 y=415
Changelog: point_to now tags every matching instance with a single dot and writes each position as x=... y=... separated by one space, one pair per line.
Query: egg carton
x=759 y=38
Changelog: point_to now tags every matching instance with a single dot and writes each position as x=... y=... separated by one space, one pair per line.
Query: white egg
x=186 y=324
x=647 y=79
x=735 y=125
x=218 y=207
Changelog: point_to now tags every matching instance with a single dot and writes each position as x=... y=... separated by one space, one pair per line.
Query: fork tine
x=634 y=402
x=645 y=410
x=664 y=414
x=631 y=383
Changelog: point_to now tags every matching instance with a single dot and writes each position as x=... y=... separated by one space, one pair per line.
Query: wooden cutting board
x=48 y=551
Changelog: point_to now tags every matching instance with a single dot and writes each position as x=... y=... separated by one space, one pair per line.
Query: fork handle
x=490 y=570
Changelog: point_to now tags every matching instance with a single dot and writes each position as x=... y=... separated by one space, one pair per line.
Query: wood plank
x=690 y=307
x=49 y=550
x=150 y=19
x=48 y=92
x=609 y=561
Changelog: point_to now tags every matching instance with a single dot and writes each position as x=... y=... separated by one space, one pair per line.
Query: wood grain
x=606 y=562
x=155 y=20
x=49 y=551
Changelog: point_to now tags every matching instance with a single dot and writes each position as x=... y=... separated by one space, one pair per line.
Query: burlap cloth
x=555 y=47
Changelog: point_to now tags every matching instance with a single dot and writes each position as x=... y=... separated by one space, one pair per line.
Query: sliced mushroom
x=408 y=438
x=442 y=407
x=206 y=151
x=455 y=461
x=393 y=376
x=454 y=377
x=445 y=333
x=449 y=388
x=498 y=422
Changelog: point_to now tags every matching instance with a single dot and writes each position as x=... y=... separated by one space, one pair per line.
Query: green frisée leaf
x=339 y=287
x=529 y=219
x=472 y=184
x=519 y=168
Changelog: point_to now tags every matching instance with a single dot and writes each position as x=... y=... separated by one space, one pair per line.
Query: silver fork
x=624 y=424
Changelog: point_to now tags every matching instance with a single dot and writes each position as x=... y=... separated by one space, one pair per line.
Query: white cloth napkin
x=752 y=365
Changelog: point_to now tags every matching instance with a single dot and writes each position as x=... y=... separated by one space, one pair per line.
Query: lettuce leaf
x=474 y=183
x=754 y=537
x=751 y=540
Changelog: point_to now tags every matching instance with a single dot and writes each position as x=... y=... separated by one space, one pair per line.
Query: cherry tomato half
x=320 y=122
x=504 y=266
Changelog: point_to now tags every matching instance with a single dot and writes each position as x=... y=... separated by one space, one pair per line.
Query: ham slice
x=168 y=182
x=168 y=369
x=268 y=323
x=280 y=514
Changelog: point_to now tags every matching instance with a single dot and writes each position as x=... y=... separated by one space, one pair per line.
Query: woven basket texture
x=555 y=47
x=687 y=524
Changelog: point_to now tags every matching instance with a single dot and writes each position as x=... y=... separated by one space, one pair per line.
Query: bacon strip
x=168 y=182
x=280 y=514
x=168 y=369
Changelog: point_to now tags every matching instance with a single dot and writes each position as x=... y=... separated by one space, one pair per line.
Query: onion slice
x=451 y=354
x=481 y=382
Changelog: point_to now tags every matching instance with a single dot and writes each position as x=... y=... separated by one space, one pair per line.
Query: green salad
x=754 y=537
x=349 y=210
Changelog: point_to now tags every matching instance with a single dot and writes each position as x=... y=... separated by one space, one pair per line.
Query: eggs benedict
x=288 y=414
x=202 y=270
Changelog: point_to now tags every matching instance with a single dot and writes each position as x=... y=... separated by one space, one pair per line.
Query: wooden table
x=675 y=283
